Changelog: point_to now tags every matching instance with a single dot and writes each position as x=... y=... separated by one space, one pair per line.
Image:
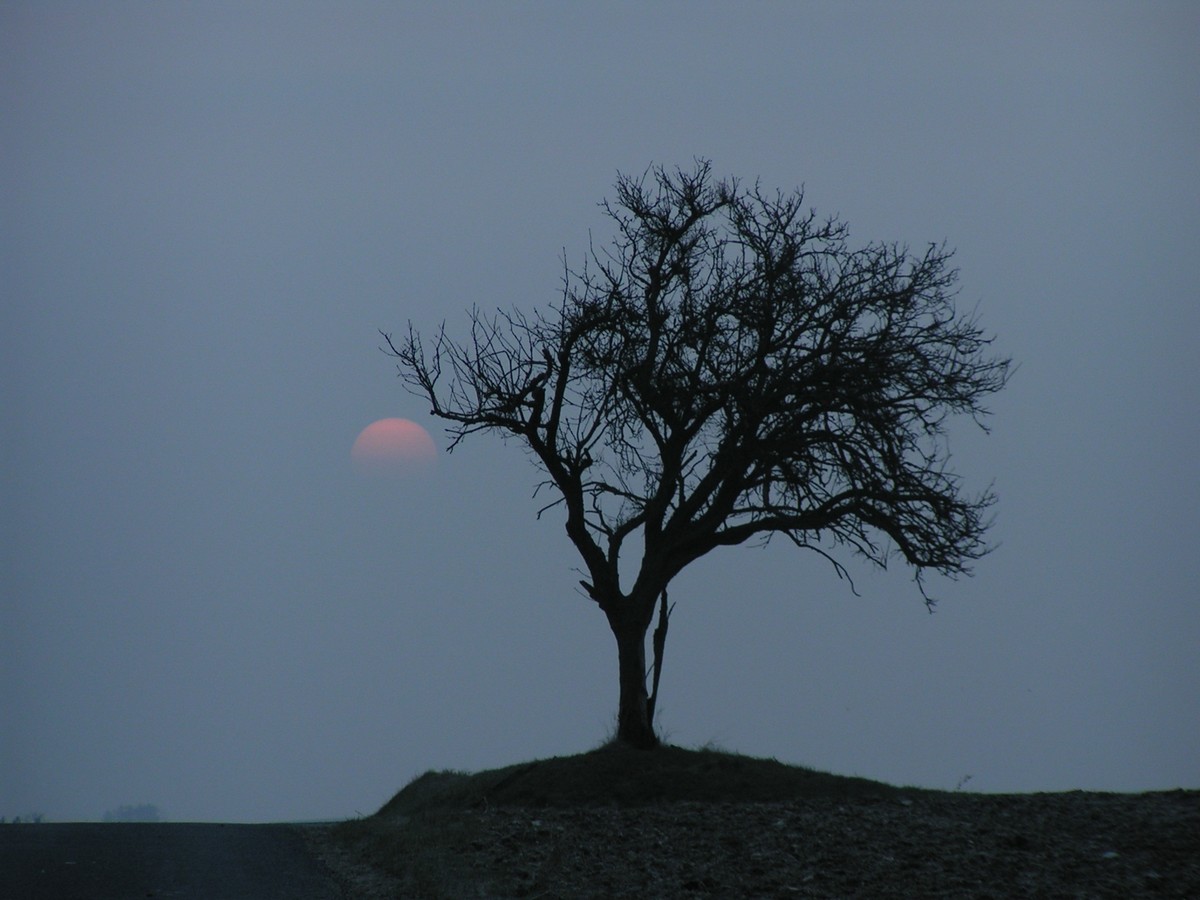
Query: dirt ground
x=919 y=844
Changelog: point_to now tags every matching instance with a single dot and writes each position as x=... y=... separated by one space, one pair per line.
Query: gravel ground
x=1075 y=844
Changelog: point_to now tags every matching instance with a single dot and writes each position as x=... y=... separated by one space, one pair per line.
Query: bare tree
x=727 y=369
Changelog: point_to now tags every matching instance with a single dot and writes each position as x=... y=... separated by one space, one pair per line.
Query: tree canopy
x=728 y=368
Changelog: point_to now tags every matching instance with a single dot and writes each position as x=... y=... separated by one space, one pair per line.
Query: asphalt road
x=91 y=861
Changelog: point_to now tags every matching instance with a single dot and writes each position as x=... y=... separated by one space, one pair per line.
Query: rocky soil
x=903 y=844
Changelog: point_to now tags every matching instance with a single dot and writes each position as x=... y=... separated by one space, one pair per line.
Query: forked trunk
x=634 y=725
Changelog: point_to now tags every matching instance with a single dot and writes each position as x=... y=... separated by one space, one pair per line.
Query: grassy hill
x=615 y=775
x=674 y=823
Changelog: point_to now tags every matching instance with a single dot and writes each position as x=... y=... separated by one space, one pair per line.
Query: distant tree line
x=142 y=812
x=33 y=818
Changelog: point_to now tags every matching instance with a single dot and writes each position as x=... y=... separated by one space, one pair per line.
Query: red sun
x=393 y=447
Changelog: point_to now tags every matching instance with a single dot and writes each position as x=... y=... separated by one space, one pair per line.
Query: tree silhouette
x=727 y=369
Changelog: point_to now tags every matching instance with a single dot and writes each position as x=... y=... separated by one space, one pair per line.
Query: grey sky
x=209 y=208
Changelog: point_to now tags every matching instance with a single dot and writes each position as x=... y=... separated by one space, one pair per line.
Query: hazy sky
x=209 y=209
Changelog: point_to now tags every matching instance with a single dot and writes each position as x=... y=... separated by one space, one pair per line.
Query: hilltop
x=677 y=823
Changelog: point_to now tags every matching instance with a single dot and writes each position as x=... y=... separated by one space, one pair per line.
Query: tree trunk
x=634 y=726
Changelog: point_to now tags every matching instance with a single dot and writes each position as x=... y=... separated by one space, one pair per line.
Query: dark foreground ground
x=116 y=861
x=666 y=825
x=695 y=824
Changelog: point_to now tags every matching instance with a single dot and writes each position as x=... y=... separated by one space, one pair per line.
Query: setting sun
x=393 y=447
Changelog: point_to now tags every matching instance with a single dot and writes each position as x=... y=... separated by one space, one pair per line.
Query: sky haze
x=207 y=212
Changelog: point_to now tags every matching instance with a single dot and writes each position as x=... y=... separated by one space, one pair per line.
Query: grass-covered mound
x=674 y=823
x=616 y=775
